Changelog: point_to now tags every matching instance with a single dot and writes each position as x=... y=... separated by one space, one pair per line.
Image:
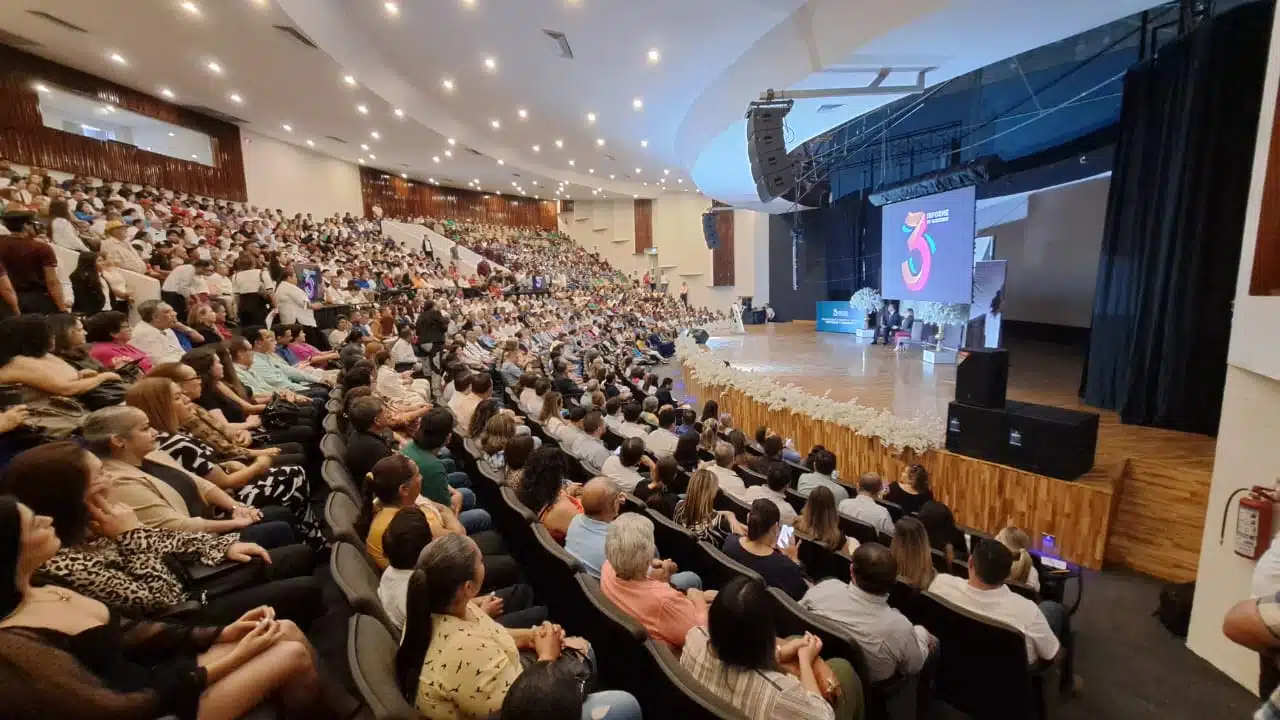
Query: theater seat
x=750 y=477
x=858 y=530
x=617 y=638
x=740 y=508
x=335 y=475
x=513 y=520
x=371 y=656
x=896 y=512
x=674 y=542
x=333 y=447
x=331 y=423
x=487 y=485
x=716 y=569
x=795 y=500
x=551 y=571
x=676 y=694
x=341 y=515
x=333 y=407
x=631 y=503
x=821 y=563
x=358 y=581
x=982 y=663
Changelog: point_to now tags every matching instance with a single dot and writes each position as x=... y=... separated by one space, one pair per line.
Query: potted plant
x=941 y=315
x=868 y=301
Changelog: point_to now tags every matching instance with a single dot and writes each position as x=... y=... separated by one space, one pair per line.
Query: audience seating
x=858 y=530
x=795 y=499
x=821 y=563
x=333 y=407
x=331 y=423
x=335 y=475
x=896 y=512
x=341 y=515
x=487 y=485
x=617 y=638
x=371 y=656
x=732 y=503
x=716 y=569
x=750 y=477
x=333 y=447
x=675 y=542
x=982 y=663
x=358 y=581
x=631 y=503
x=797 y=469
x=676 y=694
x=513 y=520
x=551 y=571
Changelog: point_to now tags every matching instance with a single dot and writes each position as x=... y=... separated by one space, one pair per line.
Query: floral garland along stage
x=921 y=433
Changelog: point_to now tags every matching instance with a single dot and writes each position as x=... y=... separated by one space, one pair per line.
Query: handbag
x=572 y=663
x=280 y=414
x=208 y=582
x=105 y=395
x=52 y=417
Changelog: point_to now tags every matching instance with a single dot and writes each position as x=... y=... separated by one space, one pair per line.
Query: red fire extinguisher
x=1253 y=521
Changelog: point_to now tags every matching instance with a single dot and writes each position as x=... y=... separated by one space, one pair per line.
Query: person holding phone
x=761 y=551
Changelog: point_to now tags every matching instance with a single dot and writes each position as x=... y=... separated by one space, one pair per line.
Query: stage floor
x=1163 y=475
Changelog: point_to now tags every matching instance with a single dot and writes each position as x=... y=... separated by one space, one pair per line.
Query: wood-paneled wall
x=722 y=259
x=24 y=138
x=982 y=495
x=405 y=198
x=644 y=225
x=1265 y=279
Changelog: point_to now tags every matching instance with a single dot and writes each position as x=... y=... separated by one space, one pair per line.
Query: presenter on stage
x=887 y=323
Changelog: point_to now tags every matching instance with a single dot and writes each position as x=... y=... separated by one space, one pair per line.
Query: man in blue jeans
x=440 y=482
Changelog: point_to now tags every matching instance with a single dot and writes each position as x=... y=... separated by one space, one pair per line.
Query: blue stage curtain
x=1175 y=217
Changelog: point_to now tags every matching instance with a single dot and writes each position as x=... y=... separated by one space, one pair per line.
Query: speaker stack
x=1042 y=439
x=710 y=232
x=772 y=168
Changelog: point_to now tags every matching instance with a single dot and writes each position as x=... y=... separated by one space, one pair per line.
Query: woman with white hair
x=638 y=583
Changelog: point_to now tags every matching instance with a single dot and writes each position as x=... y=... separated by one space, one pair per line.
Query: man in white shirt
x=863 y=505
x=730 y=482
x=777 y=481
x=985 y=593
x=663 y=441
x=185 y=281
x=630 y=426
x=624 y=467
x=588 y=447
x=462 y=403
x=889 y=642
x=824 y=464
x=154 y=335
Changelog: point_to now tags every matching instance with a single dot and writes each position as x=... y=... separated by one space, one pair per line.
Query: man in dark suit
x=431 y=327
x=887 y=322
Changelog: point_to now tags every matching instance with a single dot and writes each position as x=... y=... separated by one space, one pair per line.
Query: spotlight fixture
x=495 y=124
x=374 y=134
x=559 y=144
x=637 y=103
x=349 y=79
x=644 y=143
x=447 y=84
x=287 y=127
x=591 y=118
x=118 y=59
x=399 y=113
x=311 y=143
x=452 y=142
x=524 y=114
x=364 y=147
x=448 y=153
x=166 y=92
x=490 y=63
x=599 y=142
x=362 y=109
x=214 y=67
x=190 y=7
x=392 y=8
x=654 y=56
x=235 y=98
x=435 y=158
x=537 y=148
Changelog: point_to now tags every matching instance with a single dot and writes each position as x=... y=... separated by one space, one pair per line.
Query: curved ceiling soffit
x=324 y=22
x=817 y=35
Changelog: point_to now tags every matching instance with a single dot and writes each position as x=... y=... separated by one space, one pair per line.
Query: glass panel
x=71 y=112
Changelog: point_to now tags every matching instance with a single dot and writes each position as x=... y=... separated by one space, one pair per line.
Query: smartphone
x=784 y=536
x=617 y=451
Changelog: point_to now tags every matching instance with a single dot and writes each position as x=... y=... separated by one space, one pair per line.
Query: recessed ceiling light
x=118 y=59
x=490 y=63
x=680 y=180
x=637 y=103
x=404 y=175
x=194 y=156
x=469 y=3
x=646 y=184
x=287 y=127
x=431 y=180
x=470 y=183
x=636 y=196
x=362 y=109
x=591 y=118
x=644 y=143
x=399 y=113
x=524 y=114
x=311 y=143
x=476 y=181
x=360 y=160
x=612 y=176
x=435 y=158
x=170 y=134
x=374 y=134
x=235 y=98
x=190 y=7
x=495 y=124
x=391 y=8
x=559 y=144
x=372 y=156
x=448 y=153
x=452 y=142
x=349 y=79
x=654 y=56
x=537 y=148
x=599 y=142
x=514 y=183
x=501 y=161
x=214 y=67
x=638 y=171
x=572 y=163
x=364 y=147
x=41 y=87
x=166 y=92
x=591 y=171
x=666 y=171
x=447 y=84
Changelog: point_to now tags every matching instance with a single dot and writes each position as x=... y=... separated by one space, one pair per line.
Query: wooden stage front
x=1142 y=506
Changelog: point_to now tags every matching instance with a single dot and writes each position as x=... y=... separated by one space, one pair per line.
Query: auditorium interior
x=546 y=359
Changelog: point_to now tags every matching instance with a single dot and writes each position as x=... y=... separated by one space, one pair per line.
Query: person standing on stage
x=887 y=323
x=684 y=293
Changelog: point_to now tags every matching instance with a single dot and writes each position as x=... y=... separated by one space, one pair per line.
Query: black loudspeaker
x=1051 y=440
x=982 y=377
x=700 y=336
x=771 y=166
x=977 y=431
x=709 y=232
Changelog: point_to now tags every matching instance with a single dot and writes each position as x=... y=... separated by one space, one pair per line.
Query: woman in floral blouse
x=106 y=554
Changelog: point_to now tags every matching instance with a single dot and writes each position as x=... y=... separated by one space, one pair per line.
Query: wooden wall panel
x=1265 y=279
x=24 y=138
x=722 y=259
x=644 y=225
x=404 y=198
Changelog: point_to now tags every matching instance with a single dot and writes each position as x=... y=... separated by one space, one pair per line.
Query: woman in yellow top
x=456 y=663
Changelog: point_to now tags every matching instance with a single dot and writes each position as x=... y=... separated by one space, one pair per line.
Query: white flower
x=921 y=433
x=866 y=299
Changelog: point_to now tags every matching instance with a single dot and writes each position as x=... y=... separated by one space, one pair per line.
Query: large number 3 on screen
x=918 y=241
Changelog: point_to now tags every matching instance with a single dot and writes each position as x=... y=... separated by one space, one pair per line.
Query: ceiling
x=713 y=57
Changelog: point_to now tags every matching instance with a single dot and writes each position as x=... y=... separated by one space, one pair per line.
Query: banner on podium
x=839 y=317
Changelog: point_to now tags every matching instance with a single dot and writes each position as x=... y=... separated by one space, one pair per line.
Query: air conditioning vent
x=58 y=21
x=829 y=107
x=335 y=138
x=475 y=152
x=216 y=114
x=404 y=164
x=562 y=43
x=296 y=34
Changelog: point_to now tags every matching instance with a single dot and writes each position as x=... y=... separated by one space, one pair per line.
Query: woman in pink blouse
x=109 y=333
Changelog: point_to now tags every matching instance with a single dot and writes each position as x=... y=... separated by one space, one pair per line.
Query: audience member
x=697 y=512
x=911 y=552
x=823 y=462
x=911 y=491
x=777 y=480
x=863 y=506
x=656 y=491
x=623 y=466
x=759 y=550
x=542 y=490
x=663 y=440
x=820 y=523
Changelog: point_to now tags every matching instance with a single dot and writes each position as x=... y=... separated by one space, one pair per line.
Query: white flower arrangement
x=867 y=300
x=942 y=314
x=921 y=433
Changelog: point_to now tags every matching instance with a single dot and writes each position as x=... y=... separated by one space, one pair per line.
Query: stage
x=1142 y=506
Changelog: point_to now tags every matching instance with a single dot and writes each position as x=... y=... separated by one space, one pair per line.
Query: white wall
x=608 y=227
x=296 y=180
x=1053 y=254
x=1247 y=451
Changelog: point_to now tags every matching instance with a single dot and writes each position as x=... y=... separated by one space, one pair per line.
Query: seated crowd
x=161 y=493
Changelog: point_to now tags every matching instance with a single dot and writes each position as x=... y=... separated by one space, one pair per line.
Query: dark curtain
x=1175 y=218
x=851 y=227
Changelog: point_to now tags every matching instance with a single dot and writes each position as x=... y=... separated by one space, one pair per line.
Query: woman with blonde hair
x=493 y=440
x=910 y=547
x=710 y=435
x=1024 y=571
x=820 y=523
x=279 y=492
x=549 y=418
x=697 y=511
